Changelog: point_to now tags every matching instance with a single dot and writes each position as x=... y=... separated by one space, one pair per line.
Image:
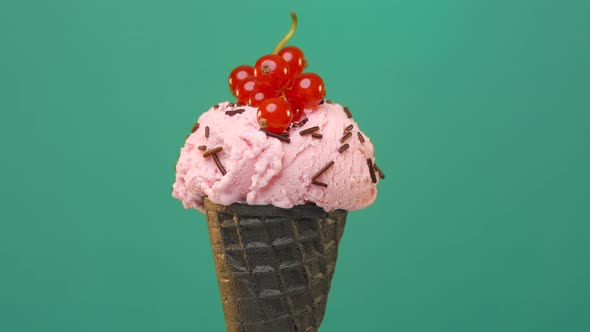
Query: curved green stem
x=288 y=35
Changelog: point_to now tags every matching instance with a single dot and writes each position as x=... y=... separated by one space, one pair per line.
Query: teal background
x=479 y=111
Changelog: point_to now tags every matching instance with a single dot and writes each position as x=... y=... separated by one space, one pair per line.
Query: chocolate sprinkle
x=195 y=127
x=371 y=170
x=277 y=136
x=343 y=148
x=234 y=112
x=300 y=123
x=219 y=165
x=206 y=131
x=361 y=138
x=216 y=106
x=347 y=111
x=322 y=102
x=348 y=128
x=316 y=135
x=231 y=105
x=318 y=183
x=381 y=175
x=329 y=101
x=321 y=171
x=309 y=130
x=202 y=147
x=212 y=151
x=345 y=137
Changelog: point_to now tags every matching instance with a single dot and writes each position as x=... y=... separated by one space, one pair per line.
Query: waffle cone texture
x=274 y=266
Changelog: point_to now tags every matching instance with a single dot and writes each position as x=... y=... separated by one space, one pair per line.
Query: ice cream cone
x=274 y=266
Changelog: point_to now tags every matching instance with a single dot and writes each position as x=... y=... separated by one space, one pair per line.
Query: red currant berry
x=274 y=115
x=308 y=89
x=239 y=74
x=294 y=57
x=244 y=89
x=272 y=70
x=296 y=109
x=262 y=92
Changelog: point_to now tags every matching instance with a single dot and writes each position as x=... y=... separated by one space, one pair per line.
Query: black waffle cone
x=274 y=266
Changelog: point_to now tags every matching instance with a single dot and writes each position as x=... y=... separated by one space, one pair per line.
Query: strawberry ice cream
x=325 y=160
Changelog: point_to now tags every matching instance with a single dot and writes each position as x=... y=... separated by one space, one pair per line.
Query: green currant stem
x=288 y=35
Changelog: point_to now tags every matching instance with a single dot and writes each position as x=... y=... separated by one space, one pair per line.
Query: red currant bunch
x=277 y=85
x=277 y=77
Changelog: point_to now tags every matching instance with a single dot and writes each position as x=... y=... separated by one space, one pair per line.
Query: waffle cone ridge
x=274 y=266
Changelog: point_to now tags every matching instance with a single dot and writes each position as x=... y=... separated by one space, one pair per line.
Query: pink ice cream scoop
x=325 y=160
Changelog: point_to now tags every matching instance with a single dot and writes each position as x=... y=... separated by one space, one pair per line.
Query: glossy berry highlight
x=239 y=74
x=244 y=89
x=260 y=93
x=295 y=59
x=274 y=115
x=272 y=70
x=308 y=90
x=296 y=109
